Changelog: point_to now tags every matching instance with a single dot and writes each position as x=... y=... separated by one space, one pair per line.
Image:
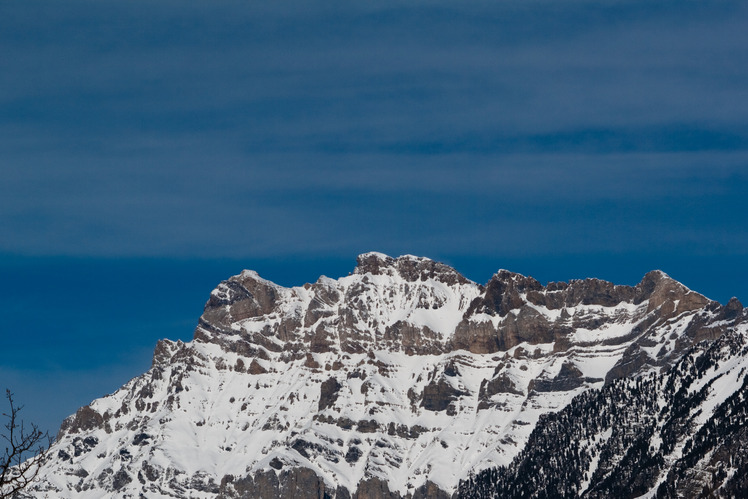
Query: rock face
x=400 y=380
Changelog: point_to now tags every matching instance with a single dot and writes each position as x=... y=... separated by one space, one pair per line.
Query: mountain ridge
x=402 y=379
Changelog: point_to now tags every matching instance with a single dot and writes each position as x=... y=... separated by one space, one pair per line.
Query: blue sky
x=149 y=149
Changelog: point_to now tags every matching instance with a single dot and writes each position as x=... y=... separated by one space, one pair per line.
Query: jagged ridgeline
x=405 y=379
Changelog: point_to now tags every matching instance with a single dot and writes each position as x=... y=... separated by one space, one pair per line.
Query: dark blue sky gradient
x=149 y=149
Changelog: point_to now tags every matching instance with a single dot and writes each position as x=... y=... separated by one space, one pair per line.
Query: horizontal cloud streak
x=453 y=204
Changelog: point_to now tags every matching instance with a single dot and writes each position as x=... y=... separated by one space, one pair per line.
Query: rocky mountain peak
x=507 y=290
x=664 y=292
x=408 y=267
x=240 y=297
x=734 y=310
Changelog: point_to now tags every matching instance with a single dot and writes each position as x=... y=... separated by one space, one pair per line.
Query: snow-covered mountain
x=405 y=379
x=681 y=432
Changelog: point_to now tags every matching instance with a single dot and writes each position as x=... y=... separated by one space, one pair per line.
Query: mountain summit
x=405 y=379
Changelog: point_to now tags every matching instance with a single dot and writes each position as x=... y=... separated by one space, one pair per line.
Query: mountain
x=405 y=379
x=680 y=432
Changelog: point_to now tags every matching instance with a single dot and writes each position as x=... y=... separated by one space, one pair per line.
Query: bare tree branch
x=25 y=452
